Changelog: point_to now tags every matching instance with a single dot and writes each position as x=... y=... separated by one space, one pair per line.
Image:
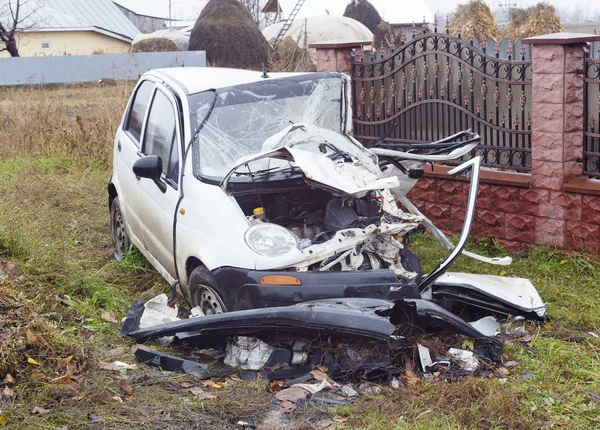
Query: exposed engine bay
x=315 y=216
x=343 y=206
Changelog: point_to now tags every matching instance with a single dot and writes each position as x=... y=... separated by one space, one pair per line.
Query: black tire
x=120 y=240
x=204 y=292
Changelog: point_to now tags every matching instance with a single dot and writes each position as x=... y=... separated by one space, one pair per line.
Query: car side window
x=138 y=110
x=160 y=137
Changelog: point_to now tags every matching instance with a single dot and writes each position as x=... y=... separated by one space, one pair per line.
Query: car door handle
x=119 y=146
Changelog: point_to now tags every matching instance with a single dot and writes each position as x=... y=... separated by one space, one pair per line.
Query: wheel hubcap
x=119 y=234
x=209 y=301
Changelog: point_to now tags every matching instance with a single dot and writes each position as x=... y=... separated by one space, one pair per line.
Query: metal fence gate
x=435 y=84
x=591 y=134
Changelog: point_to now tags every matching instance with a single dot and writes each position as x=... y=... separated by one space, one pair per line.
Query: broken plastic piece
x=424 y=357
x=466 y=360
x=248 y=353
x=487 y=325
x=176 y=364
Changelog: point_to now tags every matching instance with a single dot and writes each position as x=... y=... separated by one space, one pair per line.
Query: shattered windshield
x=245 y=116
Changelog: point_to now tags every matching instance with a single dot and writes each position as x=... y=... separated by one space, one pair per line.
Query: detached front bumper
x=242 y=289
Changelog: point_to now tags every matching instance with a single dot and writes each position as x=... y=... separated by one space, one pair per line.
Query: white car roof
x=196 y=79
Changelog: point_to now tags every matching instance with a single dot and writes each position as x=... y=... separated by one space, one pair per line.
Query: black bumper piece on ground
x=241 y=288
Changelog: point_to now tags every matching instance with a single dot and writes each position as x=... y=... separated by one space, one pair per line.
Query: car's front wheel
x=120 y=239
x=203 y=292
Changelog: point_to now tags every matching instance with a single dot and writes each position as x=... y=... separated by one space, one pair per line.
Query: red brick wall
x=520 y=217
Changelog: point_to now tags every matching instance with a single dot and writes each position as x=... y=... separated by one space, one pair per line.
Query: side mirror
x=150 y=167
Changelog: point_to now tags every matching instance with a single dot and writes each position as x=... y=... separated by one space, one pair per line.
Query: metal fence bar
x=87 y=68
x=591 y=134
x=435 y=84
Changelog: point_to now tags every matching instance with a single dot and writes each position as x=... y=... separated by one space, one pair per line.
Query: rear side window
x=160 y=137
x=138 y=110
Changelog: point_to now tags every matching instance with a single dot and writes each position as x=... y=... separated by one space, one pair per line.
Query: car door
x=127 y=152
x=162 y=136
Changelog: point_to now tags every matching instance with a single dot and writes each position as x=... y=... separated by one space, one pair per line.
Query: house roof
x=101 y=16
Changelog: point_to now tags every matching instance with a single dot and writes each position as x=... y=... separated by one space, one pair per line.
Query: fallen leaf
x=40 y=410
x=109 y=316
x=235 y=378
x=68 y=364
x=526 y=338
x=292 y=394
x=9 y=379
x=8 y=392
x=187 y=385
x=199 y=392
x=288 y=407
x=129 y=398
x=212 y=384
x=274 y=386
x=64 y=379
x=504 y=371
x=341 y=419
x=117 y=351
x=409 y=376
x=41 y=340
x=547 y=325
x=322 y=368
x=3 y=418
x=510 y=364
x=319 y=376
x=117 y=399
x=32 y=361
x=436 y=374
x=125 y=387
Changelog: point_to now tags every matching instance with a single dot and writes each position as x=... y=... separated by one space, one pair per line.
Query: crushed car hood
x=314 y=150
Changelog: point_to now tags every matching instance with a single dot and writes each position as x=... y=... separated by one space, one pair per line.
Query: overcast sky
x=390 y=9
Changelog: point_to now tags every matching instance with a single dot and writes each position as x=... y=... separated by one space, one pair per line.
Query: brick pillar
x=336 y=56
x=557 y=133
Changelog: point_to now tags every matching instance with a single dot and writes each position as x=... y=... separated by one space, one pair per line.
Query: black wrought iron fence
x=591 y=134
x=435 y=84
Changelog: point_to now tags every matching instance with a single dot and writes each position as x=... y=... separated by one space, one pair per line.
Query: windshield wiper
x=267 y=172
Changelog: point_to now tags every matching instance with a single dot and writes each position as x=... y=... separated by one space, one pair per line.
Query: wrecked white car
x=247 y=191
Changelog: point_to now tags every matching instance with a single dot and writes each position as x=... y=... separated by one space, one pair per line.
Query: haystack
x=474 y=19
x=289 y=57
x=226 y=31
x=533 y=21
x=155 y=45
x=383 y=35
x=363 y=11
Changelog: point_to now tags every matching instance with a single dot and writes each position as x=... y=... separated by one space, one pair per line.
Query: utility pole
x=170 y=22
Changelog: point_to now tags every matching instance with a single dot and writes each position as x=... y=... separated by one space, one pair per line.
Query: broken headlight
x=270 y=240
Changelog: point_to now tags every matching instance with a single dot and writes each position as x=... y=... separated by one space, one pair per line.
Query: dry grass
x=75 y=121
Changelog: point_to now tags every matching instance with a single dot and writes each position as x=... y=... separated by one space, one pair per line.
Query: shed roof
x=101 y=16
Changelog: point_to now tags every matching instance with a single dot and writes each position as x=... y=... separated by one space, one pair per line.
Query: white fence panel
x=87 y=68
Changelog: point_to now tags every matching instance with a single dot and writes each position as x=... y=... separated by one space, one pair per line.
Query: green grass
x=54 y=228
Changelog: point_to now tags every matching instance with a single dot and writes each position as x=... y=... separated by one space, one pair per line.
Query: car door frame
x=126 y=188
x=157 y=227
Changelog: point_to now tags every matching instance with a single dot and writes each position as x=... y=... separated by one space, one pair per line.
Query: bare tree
x=255 y=7
x=15 y=16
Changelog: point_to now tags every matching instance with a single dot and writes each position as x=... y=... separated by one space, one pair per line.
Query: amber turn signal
x=280 y=280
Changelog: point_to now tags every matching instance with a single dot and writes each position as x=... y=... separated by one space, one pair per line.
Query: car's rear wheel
x=204 y=292
x=120 y=239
